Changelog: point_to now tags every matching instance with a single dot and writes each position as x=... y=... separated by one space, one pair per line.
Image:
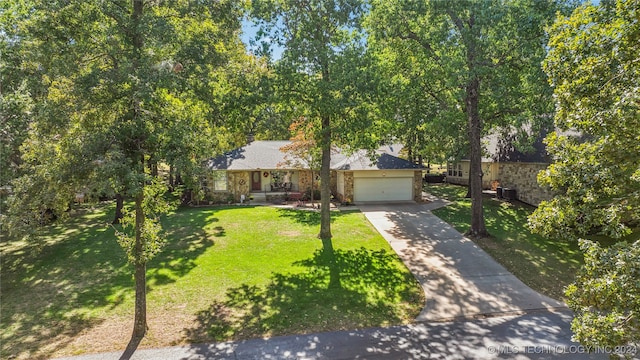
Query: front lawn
x=225 y=273
x=546 y=265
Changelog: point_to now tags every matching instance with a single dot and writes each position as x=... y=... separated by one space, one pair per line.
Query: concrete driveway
x=459 y=279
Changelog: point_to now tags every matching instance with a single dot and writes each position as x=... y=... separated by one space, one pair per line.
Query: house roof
x=502 y=148
x=501 y=145
x=267 y=155
x=255 y=155
x=384 y=160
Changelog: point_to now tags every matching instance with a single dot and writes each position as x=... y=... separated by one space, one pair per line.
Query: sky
x=249 y=30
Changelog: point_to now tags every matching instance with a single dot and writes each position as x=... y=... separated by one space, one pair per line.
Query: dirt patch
x=289 y=233
x=487 y=243
x=166 y=328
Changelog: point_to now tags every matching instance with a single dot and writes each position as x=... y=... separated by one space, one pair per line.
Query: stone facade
x=348 y=187
x=239 y=183
x=305 y=181
x=417 y=185
x=333 y=186
x=523 y=177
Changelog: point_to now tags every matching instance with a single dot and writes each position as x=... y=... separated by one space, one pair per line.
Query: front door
x=256 y=183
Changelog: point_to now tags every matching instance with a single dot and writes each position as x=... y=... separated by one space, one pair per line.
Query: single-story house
x=259 y=169
x=505 y=166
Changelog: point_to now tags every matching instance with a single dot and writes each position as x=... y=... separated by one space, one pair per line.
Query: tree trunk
x=311 y=192
x=140 y=319
x=325 y=180
x=119 y=206
x=171 y=182
x=478 y=228
x=325 y=167
x=472 y=100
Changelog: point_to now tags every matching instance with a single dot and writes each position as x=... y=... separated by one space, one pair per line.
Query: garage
x=383 y=189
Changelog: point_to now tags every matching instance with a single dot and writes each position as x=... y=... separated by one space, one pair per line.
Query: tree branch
x=426 y=45
x=456 y=20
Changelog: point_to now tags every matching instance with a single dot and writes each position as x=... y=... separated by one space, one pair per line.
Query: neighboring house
x=505 y=166
x=257 y=169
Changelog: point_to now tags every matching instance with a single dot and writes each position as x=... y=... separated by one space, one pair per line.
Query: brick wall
x=523 y=178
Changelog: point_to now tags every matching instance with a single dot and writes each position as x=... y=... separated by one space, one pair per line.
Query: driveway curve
x=459 y=279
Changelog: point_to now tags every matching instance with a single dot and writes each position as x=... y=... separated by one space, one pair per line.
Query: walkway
x=532 y=336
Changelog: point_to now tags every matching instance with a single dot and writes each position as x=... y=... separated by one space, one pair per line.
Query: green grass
x=225 y=273
x=546 y=265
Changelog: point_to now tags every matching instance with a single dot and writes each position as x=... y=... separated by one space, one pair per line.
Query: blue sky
x=249 y=31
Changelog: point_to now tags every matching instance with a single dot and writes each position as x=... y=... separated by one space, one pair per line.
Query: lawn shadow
x=51 y=283
x=47 y=281
x=189 y=234
x=375 y=290
x=554 y=261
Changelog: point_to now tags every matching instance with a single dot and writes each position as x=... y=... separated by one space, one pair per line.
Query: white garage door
x=382 y=189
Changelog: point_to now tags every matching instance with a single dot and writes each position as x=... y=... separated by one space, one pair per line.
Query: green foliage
x=430 y=50
x=124 y=91
x=605 y=296
x=154 y=206
x=321 y=72
x=595 y=171
x=593 y=66
x=467 y=67
x=15 y=111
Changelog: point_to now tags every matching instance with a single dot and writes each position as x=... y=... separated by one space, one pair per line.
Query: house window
x=219 y=180
x=450 y=169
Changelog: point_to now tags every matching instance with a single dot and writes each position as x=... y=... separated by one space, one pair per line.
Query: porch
x=275 y=196
x=278 y=180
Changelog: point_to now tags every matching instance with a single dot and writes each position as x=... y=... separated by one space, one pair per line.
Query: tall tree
x=128 y=84
x=318 y=71
x=480 y=61
x=594 y=67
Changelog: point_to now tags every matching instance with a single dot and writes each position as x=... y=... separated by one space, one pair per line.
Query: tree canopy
x=126 y=85
x=594 y=68
x=476 y=63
